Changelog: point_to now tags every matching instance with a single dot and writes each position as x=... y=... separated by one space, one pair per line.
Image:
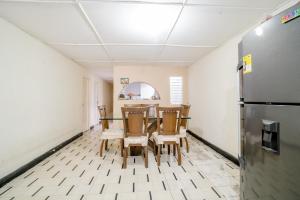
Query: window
x=176 y=90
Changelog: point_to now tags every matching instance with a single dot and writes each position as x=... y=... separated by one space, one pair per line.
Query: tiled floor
x=77 y=172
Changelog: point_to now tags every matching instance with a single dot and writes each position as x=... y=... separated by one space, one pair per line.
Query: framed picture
x=124 y=81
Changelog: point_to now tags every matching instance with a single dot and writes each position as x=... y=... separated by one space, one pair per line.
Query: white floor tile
x=78 y=172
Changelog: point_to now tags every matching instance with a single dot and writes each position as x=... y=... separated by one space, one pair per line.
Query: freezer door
x=271 y=171
x=274 y=75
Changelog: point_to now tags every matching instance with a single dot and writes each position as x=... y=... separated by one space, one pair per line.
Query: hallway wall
x=214 y=108
x=40 y=98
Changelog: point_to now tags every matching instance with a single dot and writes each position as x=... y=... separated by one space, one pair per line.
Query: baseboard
x=37 y=160
x=217 y=149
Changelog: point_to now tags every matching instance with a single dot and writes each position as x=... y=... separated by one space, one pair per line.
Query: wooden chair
x=134 y=105
x=135 y=120
x=152 y=107
x=108 y=133
x=104 y=122
x=169 y=131
x=183 y=126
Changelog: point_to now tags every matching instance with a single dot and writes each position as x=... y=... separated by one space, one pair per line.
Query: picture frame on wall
x=124 y=81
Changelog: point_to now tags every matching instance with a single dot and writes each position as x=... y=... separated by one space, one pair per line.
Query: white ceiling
x=101 y=33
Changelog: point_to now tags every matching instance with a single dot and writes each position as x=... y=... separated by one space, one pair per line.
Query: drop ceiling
x=99 y=34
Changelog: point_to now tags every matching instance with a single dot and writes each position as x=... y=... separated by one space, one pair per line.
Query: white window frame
x=176 y=90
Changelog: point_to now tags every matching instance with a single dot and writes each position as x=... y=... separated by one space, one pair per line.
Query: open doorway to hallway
x=107 y=96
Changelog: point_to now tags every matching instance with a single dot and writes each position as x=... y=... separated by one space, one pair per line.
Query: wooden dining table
x=152 y=127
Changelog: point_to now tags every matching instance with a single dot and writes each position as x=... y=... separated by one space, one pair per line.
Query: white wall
x=95 y=97
x=213 y=96
x=40 y=98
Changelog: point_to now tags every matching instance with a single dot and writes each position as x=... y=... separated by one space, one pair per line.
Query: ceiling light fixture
x=151 y=21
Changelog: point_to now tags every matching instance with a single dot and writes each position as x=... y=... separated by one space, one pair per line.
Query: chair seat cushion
x=110 y=134
x=182 y=133
x=142 y=140
x=160 y=139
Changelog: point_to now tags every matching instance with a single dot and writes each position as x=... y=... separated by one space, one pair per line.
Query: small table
x=152 y=127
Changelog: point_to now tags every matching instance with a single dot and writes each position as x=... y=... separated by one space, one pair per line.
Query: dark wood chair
x=168 y=132
x=135 y=121
x=108 y=133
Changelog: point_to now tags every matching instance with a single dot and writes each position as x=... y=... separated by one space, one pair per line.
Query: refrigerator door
x=271 y=170
x=274 y=62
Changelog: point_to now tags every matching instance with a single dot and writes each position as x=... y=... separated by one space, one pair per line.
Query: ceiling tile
x=211 y=25
x=184 y=53
x=132 y=23
x=155 y=63
x=134 y=52
x=83 y=52
x=50 y=22
x=172 y=63
x=261 y=4
x=144 y=1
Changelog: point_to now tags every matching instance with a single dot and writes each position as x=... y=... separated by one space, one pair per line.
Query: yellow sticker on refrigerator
x=247 y=63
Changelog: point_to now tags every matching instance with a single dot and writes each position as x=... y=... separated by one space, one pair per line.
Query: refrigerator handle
x=242 y=162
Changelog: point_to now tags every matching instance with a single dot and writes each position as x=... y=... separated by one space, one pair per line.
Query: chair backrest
x=171 y=119
x=102 y=112
x=185 y=113
x=152 y=107
x=134 y=105
x=135 y=120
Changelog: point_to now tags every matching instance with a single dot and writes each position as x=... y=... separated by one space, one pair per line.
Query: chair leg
x=180 y=142
x=168 y=149
x=154 y=148
x=106 y=145
x=101 y=147
x=174 y=149
x=122 y=146
x=179 y=154
x=125 y=152
x=187 y=145
x=158 y=155
x=146 y=156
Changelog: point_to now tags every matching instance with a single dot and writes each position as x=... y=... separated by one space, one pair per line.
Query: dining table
x=151 y=128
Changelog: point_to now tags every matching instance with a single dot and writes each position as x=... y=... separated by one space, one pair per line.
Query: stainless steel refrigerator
x=270 y=109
